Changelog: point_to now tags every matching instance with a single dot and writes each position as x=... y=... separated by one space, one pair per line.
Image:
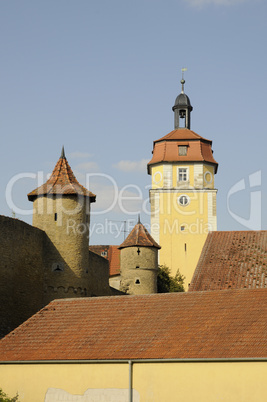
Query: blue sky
x=101 y=78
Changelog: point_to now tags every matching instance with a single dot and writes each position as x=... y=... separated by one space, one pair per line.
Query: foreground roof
x=166 y=148
x=235 y=259
x=139 y=237
x=62 y=182
x=219 y=324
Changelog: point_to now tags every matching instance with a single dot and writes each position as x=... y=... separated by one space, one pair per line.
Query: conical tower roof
x=61 y=182
x=139 y=237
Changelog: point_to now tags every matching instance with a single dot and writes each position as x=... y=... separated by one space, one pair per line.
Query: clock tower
x=182 y=195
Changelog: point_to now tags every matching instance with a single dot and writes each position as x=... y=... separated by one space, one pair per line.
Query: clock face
x=183 y=200
x=157 y=178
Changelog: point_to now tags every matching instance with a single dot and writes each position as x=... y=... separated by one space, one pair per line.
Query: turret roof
x=166 y=148
x=62 y=181
x=139 y=237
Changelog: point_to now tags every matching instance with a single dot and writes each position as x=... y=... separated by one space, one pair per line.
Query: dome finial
x=182 y=80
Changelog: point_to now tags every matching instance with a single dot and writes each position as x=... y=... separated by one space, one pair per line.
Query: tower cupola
x=182 y=109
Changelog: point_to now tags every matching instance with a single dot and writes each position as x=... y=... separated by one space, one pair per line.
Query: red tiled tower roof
x=62 y=181
x=234 y=259
x=166 y=148
x=197 y=325
x=139 y=236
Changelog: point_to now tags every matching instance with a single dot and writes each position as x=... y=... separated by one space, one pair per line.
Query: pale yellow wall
x=181 y=249
x=154 y=382
x=171 y=237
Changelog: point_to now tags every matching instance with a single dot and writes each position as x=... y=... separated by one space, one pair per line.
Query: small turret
x=139 y=262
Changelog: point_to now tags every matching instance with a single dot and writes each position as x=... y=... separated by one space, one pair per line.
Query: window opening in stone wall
x=138 y=251
x=104 y=253
x=137 y=266
x=55 y=217
x=137 y=281
x=57 y=267
x=185 y=247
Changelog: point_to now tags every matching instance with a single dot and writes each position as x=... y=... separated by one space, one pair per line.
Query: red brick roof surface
x=236 y=259
x=218 y=324
x=62 y=181
x=113 y=257
x=139 y=236
x=166 y=148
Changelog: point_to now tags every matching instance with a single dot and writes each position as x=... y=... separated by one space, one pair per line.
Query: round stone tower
x=61 y=208
x=139 y=262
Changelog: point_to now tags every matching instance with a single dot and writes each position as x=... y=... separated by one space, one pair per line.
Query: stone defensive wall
x=21 y=272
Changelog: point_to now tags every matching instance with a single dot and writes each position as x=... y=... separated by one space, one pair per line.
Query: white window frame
x=184 y=174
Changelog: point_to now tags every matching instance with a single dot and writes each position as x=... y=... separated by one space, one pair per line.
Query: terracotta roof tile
x=62 y=181
x=166 y=148
x=112 y=255
x=234 y=259
x=218 y=324
x=139 y=236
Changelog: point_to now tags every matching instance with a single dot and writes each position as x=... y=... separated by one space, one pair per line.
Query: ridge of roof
x=211 y=324
x=182 y=134
x=62 y=181
x=139 y=236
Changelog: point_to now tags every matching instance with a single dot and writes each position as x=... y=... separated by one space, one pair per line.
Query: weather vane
x=183 y=70
x=182 y=80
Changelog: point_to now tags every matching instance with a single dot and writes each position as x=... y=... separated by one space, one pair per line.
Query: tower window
x=55 y=217
x=182 y=150
x=57 y=267
x=183 y=174
x=183 y=200
x=137 y=281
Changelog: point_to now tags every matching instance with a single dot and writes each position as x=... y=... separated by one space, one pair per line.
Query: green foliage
x=167 y=283
x=5 y=398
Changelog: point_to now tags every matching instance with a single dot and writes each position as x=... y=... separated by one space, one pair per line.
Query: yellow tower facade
x=182 y=195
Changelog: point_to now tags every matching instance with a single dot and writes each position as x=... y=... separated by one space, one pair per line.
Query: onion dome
x=61 y=182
